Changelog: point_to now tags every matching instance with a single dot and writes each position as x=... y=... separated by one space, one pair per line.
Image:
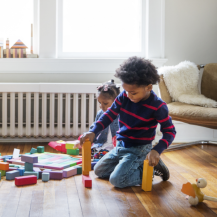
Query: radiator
x=46 y=110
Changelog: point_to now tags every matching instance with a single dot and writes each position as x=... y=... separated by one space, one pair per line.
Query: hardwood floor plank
x=37 y=203
x=108 y=198
x=147 y=202
x=202 y=154
x=11 y=201
x=135 y=203
x=61 y=200
x=73 y=198
x=49 y=199
x=96 y=196
x=24 y=205
x=211 y=149
x=85 y=199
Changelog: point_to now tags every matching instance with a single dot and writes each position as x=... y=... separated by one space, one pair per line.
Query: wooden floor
x=68 y=197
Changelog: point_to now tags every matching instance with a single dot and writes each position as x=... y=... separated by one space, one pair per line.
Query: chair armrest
x=165 y=96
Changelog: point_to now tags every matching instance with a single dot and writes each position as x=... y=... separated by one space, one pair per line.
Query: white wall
x=191 y=34
x=190 y=31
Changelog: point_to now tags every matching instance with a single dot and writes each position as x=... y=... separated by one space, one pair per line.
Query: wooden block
x=36 y=169
x=28 y=166
x=72 y=151
x=27 y=173
x=2 y=172
x=71 y=171
x=79 y=169
x=21 y=170
x=46 y=170
x=57 y=175
x=87 y=181
x=79 y=162
x=147 y=176
x=93 y=164
x=4 y=166
x=45 y=177
x=40 y=149
x=33 y=150
x=11 y=169
x=86 y=157
x=12 y=174
x=30 y=158
x=70 y=145
x=25 y=180
x=85 y=173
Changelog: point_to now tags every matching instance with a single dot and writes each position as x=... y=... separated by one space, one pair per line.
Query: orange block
x=86 y=158
x=147 y=176
x=4 y=166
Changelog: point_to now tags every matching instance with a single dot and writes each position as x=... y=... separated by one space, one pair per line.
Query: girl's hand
x=88 y=135
x=153 y=157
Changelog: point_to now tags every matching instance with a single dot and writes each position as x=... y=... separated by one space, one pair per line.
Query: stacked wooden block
x=70 y=148
x=86 y=164
x=29 y=160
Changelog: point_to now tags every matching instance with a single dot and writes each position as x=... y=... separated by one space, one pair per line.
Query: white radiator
x=46 y=109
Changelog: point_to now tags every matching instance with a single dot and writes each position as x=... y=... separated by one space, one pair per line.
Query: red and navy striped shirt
x=138 y=121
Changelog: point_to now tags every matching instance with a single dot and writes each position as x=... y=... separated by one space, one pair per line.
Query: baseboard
x=19 y=140
x=189 y=133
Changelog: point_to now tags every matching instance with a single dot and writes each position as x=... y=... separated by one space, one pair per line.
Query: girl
x=106 y=139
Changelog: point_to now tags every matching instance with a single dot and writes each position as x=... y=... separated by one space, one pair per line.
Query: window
x=16 y=18
x=100 y=28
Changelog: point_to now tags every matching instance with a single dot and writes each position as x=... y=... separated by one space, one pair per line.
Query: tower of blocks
x=86 y=164
x=147 y=176
x=29 y=160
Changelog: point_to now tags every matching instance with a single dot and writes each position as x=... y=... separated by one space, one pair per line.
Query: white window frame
x=45 y=44
x=61 y=54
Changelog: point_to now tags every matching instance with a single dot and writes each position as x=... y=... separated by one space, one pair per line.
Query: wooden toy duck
x=194 y=192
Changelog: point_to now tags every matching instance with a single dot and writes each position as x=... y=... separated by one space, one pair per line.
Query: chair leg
x=180 y=146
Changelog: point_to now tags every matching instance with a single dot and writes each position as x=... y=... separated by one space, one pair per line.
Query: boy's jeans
x=123 y=165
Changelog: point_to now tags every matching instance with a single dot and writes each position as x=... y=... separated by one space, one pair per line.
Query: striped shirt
x=138 y=121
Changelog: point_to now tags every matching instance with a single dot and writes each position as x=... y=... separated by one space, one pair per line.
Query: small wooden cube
x=45 y=177
x=87 y=181
x=40 y=149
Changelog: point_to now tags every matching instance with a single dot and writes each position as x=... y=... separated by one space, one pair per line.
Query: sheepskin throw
x=182 y=83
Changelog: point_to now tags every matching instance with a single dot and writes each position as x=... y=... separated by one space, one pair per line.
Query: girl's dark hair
x=137 y=71
x=109 y=89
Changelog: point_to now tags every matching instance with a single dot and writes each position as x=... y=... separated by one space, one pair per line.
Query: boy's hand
x=88 y=135
x=153 y=157
x=77 y=144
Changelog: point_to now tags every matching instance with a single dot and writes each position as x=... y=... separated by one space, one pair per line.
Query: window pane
x=16 y=17
x=102 y=25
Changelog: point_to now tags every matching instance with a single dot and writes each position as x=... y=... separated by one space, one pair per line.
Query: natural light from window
x=16 y=17
x=102 y=25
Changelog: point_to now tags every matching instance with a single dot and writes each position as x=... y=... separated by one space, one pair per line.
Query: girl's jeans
x=123 y=166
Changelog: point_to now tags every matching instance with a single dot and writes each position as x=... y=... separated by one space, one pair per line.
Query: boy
x=139 y=110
